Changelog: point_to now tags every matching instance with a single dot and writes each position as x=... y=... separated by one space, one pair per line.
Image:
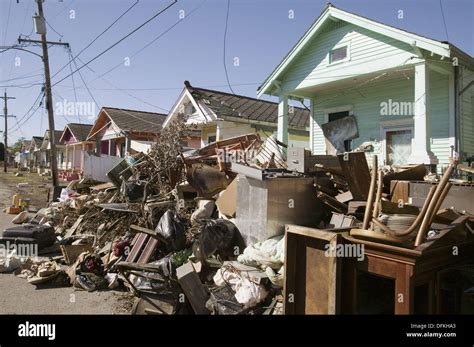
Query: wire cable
x=119 y=41
x=225 y=39
x=97 y=37
x=153 y=40
x=444 y=21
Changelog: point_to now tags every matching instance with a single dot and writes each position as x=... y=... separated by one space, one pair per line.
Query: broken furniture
x=455 y=288
x=460 y=196
x=356 y=172
x=193 y=288
x=413 y=272
x=373 y=228
x=264 y=207
x=301 y=160
x=312 y=275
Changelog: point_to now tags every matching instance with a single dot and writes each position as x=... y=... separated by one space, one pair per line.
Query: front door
x=398 y=146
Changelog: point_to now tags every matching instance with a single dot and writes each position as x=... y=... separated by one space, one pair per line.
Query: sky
x=147 y=70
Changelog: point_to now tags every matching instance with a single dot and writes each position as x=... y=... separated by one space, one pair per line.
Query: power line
x=83 y=81
x=97 y=37
x=74 y=84
x=168 y=88
x=60 y=36
x=25 y=117
x=119 y=41
x=123 y=91
x=154 y=39
x=38 y=97
x=22 y=26
x=22 y=77
x=444 y=21
x=6 y=26
x=24 y=86
x=225 y=39
x=65 y=7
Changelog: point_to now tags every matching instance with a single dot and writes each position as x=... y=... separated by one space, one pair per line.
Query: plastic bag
x=218 y=236
x=172 y=229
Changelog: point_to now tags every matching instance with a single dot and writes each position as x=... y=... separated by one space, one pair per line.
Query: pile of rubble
x=166 y=227
x=156 y=229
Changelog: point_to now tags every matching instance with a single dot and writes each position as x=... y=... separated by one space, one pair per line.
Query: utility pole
x=40 y=27
x=5 y=133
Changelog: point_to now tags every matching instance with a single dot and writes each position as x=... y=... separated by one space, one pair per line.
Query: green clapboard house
x=406 y=97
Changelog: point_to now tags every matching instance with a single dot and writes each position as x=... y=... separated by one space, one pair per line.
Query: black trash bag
x=221 y=237
x=172 y=228
x=222 y=301
x=133 y=191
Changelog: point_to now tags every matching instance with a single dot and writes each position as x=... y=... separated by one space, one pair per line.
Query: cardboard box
x=227 y=200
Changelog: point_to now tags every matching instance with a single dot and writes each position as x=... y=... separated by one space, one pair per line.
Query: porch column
x=282 y=132
x=110 y=147
x=81 y=164
x=73 y=166
x=420 y=153
x=128 y=144
x=219 y=130
x=67 y=157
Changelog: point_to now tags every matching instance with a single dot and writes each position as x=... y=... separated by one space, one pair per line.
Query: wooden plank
x=290 y=272
x=413 y=173
x=74 y=227
x=332 y=203
x=353 y=206
x=404 y=289
x=137 y=248
x=312 y=279
x=385 y=247
x=389 y=207
x=399 y=191
x=356 y=171
x=311 y=232
x=465 y=168
x=193 y=288
x=148 y=251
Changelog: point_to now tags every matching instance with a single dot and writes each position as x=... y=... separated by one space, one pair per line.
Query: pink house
x=74 y=137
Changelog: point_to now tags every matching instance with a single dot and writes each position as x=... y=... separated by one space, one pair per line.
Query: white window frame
x=346 y=59
x=337 y=109
x=388 y=127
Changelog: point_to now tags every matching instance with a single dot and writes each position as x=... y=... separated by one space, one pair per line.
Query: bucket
x=25 y=203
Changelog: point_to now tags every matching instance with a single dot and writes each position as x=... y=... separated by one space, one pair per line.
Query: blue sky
x=260 y=33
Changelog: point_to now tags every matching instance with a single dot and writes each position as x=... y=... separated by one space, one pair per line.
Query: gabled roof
x=235 y=107
x=129 y=120
x=79 y=131
x=441 y=48
x=25 y=145
x=57 y=136
x=37 y=140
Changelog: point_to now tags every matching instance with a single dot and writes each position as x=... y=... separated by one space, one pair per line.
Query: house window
x=338 y=115
x=211 y=139
x=398 y=146
x=338 y=54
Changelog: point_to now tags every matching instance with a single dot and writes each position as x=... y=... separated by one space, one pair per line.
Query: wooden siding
x=366 y=107
x=467 y=114
x=367 y=50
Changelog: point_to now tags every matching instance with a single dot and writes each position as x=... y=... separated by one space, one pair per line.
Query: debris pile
x=168 y=227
